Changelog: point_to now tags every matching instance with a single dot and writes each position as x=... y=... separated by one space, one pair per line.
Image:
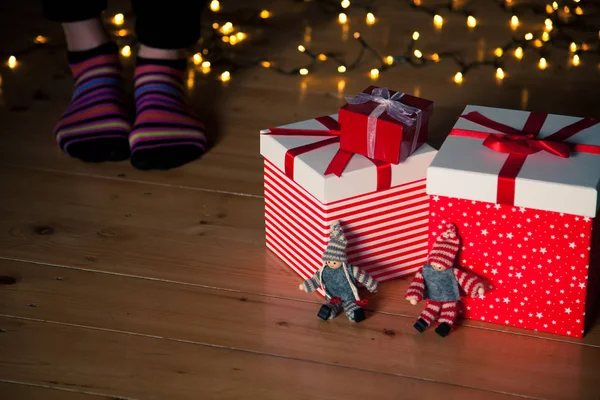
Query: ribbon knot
x=402 y=113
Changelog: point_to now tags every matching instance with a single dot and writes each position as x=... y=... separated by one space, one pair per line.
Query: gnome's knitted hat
x=445 y=248
x=336 y=248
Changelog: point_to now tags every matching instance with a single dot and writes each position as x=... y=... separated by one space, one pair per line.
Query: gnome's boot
x=358 y=315
x=421 y=325
x=443 y=329
x=328 y=311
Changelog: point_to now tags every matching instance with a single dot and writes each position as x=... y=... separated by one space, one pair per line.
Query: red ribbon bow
x=339 y=161
x=520 y=144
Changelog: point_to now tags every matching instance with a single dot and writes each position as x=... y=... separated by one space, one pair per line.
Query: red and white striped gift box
x=383 y=208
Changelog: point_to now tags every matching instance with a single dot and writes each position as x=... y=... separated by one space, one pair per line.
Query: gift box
x=384 y=125
x=523 y=190
x=309 y=182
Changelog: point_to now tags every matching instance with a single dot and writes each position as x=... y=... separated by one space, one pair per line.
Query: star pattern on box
x=535 y=262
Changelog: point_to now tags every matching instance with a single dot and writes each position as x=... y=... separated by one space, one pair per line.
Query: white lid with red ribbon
x=309 y=153
x=526 y=159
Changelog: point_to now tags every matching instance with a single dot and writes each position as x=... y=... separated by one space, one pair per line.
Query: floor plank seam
x=64 y=389
x=215 y=346
x=128 y=180
x=266 y=295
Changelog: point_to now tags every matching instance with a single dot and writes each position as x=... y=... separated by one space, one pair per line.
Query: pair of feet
x=96 y=126
x=327 y=312
x=442 y=329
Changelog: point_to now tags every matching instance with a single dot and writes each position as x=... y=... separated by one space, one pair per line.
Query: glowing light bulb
x=322 y=57
x=389 y=60
x=576 y=1
x=126 y=51
x=417 y=2
x=549 y=9
x=215 y=6
x=415 y=35
x=357 y=35
x=225 y=39
x=345 y=3
x=545 y=36
x=303 y=71
x=573 y=47
x=215 y=26
x=514 y=22
x=301 y=48
x=12 y=62
x=538 y=43
x=374 y=73
x=528 y=36
x=498 y=52
x=576 y=60
x=233 y=40
x=567 y=9
x=122 y=32
x=435 y=57
x=205 y=67
x=227 y=28
x=458 y=77
x=543 y=64
x=225 y=76
x=438 y=21
x=585 y=46
x=418 y=53
x=265 y=64
x=370 y=19
x=471 y=21
x=341 y=69
x=579 y=11
x=548 y=24
x=508 y=2
x=264 y=14
x=118 y=19
x=519 y=53
x=500 y=73
x=197 y=58
x=190 y=79
x=555 y=5
x=39 y=39
x=342 y=18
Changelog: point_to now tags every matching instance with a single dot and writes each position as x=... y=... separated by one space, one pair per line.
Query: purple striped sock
x=95 y=126
x=166 y=134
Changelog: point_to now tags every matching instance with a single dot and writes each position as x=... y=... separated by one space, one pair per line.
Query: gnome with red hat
x=439 y=283
x=339 y=279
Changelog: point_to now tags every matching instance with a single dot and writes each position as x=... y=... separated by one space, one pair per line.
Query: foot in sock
x=95 y=126
x=166 y=134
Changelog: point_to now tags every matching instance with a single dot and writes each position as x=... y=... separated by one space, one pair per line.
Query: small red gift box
x=384 y=125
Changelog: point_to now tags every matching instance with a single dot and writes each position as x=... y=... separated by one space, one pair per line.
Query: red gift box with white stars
x=522 y=189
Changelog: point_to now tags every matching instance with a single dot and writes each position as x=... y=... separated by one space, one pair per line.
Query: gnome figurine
x=338 y=280
x=439 y=283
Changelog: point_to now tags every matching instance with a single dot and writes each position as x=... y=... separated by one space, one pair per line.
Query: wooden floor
x=157 y=285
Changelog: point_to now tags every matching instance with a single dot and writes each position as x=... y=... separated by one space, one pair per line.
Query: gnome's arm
x=471 y=284
x=417 y=288
x=365 y=279
x=311 y=284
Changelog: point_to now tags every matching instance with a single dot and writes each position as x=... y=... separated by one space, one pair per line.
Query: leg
x=447 y=318
x=428 y=315
x=329 y=311
x=166 y=133
x=353 y=311
x=95 y=126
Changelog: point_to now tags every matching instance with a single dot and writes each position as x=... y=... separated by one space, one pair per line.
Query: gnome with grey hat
x=338 y=280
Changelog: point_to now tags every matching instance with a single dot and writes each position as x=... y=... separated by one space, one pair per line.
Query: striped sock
x=166 y=134
x=95 y=126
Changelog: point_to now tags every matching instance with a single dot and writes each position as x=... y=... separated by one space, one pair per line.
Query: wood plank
x=23 y=391
x=153 y=368
x=188 y=236
x=384 y=343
